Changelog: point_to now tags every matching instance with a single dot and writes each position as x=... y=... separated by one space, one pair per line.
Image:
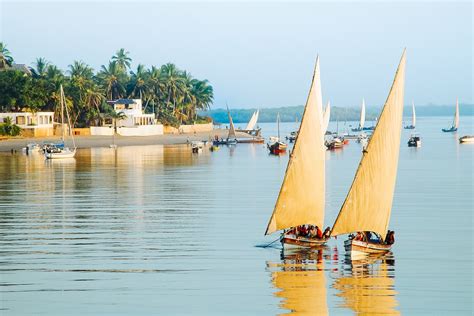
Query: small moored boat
x=196 y=146
x=455 y=125
x=60 y=151
x=467 y=139
x=276 y=146
x=414 y=141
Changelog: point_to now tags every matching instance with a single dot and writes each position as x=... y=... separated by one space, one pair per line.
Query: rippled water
x=158 y=230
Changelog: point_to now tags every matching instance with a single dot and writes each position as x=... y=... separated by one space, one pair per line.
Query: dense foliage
x=172 y=94
x=8 y=128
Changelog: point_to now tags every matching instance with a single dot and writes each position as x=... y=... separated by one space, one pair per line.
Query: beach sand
x=105 y=141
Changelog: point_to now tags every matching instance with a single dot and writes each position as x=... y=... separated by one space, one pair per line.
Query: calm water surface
x=158 y=230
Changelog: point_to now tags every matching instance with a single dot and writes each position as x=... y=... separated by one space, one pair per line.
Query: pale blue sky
x=262 y=54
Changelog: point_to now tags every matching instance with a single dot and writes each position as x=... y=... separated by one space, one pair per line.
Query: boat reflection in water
x=367 y=286
x=301 y=282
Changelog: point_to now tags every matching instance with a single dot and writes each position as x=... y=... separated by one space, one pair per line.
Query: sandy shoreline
x=105 y=141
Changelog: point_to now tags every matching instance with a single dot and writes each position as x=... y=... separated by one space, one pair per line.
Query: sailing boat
x=231 y=137
x=455 y=125
x=58 y=152
x=413 y=117
x=301 y=197
x=368 y=204
x=362 y=118
x=277 y=146
x=252 y=131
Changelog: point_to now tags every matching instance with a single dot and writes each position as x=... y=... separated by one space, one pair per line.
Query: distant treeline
x=292 y=113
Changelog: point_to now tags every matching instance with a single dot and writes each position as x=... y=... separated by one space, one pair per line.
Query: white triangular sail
x=368 y=204
x=413 y=118
x=252 y=122
x=231 y=127
x=301 y=197
x=327 y=117
x=362 y=114
x=456 y=115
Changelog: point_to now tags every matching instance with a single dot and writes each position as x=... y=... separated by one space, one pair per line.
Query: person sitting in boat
x=359 y=236
x=391 y=238
x=319 y=233
x=387 y=236
x=327 y=232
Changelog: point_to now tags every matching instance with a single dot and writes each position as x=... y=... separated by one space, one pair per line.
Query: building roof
x=122 y=101
x=21 y=67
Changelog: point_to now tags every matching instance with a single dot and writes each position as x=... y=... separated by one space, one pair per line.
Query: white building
x=33 y=124
x=132 y=108
x=136 y=123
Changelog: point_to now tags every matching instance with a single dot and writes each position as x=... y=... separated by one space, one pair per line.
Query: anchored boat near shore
x=302 y=195
x=61 y=152
x=368 y=205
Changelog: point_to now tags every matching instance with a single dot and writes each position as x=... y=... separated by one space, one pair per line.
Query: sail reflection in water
x=367 y=287
x=301 y=282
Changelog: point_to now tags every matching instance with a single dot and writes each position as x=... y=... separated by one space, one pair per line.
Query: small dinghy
x=276 y=146
x=466 y=139
x=414 y=141
x=196 y=146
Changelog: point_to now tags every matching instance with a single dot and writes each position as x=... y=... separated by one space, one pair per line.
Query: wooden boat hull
x=293 y=242
x=466 y=139
x=251 y=140
x=60 y=155
x=359 y=249
x=277 y=148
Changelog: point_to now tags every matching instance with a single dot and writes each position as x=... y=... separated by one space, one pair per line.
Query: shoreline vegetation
x=292 y=113
x=172 y=94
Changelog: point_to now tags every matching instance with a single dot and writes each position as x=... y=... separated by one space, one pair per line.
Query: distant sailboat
x=276 y=146
x=60 y=152
x=301 y=197
x=455 y=125
x=362 y=118
x=413 y=117
x=368 y=205
x=231 y=137
x=252 y=131
x=253 y=121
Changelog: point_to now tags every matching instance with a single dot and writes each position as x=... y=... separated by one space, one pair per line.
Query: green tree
x=122 y=59
x=40 y=67
x=8 y=128
x=6 y=58
x=112 y=78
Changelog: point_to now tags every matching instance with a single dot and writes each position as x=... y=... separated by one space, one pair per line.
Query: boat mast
x=278 y=125
x=61 y=97
x=456 y=115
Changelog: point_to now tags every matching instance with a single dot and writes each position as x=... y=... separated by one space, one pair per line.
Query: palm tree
x=40 y=67
x=112 y=78
x=203 y=93
x=5 y=56
x=122 y=59
x=138 y=86
x=80 y=69
x=173 y=82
